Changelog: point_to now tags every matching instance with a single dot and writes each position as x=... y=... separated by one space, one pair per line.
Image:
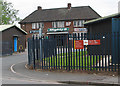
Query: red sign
x=78 y=44
x=93 y=42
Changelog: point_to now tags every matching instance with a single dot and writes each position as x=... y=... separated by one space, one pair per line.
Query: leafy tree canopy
x=8 y=14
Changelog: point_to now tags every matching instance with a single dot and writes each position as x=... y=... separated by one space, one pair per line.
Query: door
x=15 y=44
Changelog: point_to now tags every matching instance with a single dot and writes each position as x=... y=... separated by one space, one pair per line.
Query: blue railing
x=58 y=52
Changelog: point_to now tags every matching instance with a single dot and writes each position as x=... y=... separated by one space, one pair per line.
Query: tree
x=0 y=11
x=9 y=14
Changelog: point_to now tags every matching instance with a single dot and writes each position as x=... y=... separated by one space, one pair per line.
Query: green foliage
x=0 y=11
x=9 y=14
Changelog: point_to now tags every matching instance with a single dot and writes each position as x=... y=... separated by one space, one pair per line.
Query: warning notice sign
x=78 y=44
x=94 y=42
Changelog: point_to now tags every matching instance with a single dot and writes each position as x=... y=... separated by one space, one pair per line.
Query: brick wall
x=28 y=28
x=46 y=26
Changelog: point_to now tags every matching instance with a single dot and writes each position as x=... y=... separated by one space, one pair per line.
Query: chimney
x=119 y=7
x=69 y=6
x=39 y=8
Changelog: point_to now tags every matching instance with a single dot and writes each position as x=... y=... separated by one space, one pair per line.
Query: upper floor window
x=37 y=25
x=58 y=24
x=79 y=23
x=33 y=25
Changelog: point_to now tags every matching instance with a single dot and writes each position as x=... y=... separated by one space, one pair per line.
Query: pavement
x=61 y=77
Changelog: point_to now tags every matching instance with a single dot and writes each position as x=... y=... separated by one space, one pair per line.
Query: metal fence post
x=40 y=35
x=68 y=52
x=29 y=52
x=33 y=40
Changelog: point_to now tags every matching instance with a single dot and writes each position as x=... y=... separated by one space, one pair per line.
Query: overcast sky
x=102 y=7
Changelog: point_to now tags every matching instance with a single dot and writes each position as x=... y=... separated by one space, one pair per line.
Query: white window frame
x=41 y=25
x=68 y=23
x=82 y=23
x=33 y=25
x=59 y=24
x=37 y=25
x=78 y=23
x=54 y=24
x=75 y=23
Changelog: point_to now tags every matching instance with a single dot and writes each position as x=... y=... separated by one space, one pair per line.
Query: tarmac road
x=21 y=75
x=8 y=77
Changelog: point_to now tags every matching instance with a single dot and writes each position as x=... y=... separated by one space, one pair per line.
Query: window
x=37 y=25
x=57 y=24
x=79 y=23
x=54 y=24
x=33 y=25
x=61 y=24
x=68 y=23
x=75 y=23
x=82 y=22
x=41 y=25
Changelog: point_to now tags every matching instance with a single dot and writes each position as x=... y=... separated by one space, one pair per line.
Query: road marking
x=30 y=78
x=11 y=68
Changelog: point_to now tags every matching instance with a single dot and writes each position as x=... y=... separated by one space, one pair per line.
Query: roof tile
x=59 y=14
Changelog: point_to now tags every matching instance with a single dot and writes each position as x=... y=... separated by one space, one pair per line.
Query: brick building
x=58 y=20
x=12 y=39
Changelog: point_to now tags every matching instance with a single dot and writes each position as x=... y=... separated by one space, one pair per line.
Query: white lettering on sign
x=94 y=42
x=57 y=29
